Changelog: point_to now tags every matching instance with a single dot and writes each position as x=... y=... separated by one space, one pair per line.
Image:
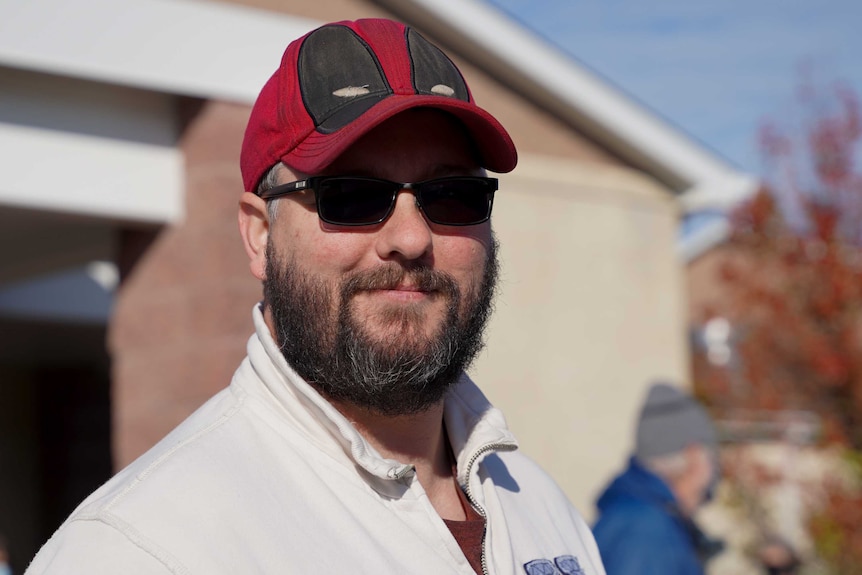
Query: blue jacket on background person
x=645 y=524
x=639 y=532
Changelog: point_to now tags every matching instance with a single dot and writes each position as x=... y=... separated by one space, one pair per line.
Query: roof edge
x=199 y=41
x=204 y=49
x=700 y=241
x=572 y=92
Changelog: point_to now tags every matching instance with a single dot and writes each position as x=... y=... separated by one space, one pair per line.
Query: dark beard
x=331 y=351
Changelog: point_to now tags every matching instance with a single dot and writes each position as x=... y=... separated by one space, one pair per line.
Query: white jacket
x=268 y=478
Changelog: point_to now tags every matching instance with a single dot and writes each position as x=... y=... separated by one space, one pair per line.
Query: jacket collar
x=474 y=426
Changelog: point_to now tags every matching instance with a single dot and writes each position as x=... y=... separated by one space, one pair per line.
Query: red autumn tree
x=792 y=285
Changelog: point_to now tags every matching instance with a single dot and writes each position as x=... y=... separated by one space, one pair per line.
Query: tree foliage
x=792 y=284
x=794 y=291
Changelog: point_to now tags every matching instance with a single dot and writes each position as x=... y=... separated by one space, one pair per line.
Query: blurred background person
x=645 y=523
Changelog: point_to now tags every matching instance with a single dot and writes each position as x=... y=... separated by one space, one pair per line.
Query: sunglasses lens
x=354 y=201
x=458 y=201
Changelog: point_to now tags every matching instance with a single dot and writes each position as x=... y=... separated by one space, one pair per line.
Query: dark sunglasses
x=357 y=201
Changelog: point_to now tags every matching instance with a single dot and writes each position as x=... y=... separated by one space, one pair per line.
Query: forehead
x=413 y=145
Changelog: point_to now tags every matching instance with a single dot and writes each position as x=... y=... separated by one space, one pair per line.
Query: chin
x=395 y=336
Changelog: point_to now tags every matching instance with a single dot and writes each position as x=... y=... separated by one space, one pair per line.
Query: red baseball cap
x=341 y=80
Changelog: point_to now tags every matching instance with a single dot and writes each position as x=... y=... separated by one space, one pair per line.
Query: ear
x=254 y=229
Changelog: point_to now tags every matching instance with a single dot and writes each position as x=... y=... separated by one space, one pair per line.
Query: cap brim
x=493 y=143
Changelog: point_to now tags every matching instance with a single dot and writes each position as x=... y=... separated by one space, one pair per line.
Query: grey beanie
x=669 y=421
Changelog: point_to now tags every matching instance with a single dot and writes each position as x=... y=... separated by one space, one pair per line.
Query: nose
x=406 y=234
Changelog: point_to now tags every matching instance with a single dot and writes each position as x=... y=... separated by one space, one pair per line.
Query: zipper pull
x=400 y=472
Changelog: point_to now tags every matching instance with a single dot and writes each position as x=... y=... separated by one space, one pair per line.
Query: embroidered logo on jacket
x=565 y=565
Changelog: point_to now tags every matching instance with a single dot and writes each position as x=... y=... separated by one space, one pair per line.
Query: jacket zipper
x=479 y=509
x=400 y=472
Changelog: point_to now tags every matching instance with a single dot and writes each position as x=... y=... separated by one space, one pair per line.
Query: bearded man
x=350 y=440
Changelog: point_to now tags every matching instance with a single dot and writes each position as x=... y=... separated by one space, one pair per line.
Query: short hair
x=668 y=466
x=267 y=182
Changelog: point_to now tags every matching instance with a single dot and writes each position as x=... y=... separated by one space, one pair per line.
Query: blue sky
x=713 y=68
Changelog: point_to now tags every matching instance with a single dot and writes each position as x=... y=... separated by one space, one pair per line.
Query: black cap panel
x=339 y=76
x=433 y=72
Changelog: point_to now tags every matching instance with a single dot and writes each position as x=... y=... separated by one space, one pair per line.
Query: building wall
x=54 y=426
x=590 y=311
x=182 y=314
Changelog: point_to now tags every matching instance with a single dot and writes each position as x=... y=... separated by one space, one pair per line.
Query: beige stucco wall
x=591 y=308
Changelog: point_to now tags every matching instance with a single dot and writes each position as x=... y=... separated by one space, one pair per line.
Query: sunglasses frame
x=416 y=187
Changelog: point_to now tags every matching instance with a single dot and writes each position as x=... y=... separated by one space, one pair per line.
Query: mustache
x=391 y=276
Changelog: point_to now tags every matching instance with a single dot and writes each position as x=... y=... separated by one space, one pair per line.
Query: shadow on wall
x=55 y=422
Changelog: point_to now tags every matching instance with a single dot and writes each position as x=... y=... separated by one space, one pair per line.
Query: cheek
x=464 y=258
x=328 y=256
x=321 y=252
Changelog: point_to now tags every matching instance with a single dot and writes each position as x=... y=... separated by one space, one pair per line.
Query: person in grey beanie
x=645 y=523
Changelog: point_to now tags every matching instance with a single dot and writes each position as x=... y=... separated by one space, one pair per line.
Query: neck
x=419 y=439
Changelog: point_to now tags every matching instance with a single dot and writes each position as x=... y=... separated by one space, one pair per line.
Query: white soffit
x=213 y=50
x=624 y=125
x=80 y=147
x=195 y=48
x=87 y=110
x=74 y=173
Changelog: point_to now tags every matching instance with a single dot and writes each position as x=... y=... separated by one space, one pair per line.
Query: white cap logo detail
x=443 y=90
x=351 y=91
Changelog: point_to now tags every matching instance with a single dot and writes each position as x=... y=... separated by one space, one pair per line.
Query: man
x=645 y=524
x=350 y=440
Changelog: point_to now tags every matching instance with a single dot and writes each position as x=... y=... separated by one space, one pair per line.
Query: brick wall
x=183 y=311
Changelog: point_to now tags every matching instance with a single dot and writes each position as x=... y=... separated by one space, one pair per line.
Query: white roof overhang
x=195 y=48
x=555 y=81
x=213 y=50
x=88 y=87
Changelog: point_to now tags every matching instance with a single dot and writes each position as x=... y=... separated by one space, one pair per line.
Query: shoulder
x=518 y=480
x=514 y=471
x=71 y=552
x=541 y=522
x=631 y=517
x=152 y=490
